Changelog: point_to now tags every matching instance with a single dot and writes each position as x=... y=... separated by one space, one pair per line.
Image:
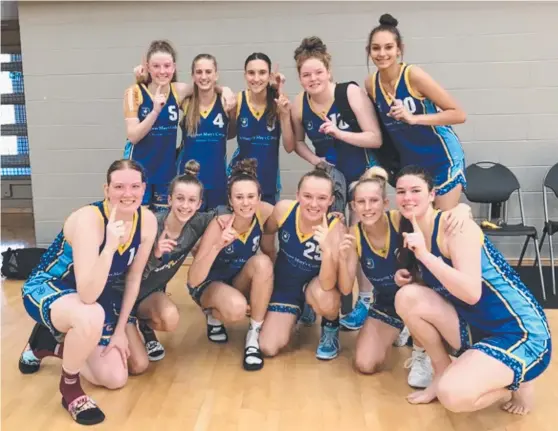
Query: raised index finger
x=231 y=221
x=416 y=227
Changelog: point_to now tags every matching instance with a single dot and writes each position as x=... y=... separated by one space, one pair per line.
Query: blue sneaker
x=329 y=344
x=308 y=316
x=356 y=318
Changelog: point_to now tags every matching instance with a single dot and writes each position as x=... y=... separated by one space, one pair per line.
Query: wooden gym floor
x=202 y=386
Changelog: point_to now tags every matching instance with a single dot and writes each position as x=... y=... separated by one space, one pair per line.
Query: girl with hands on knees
x=228 y=272
x=417 y=113
x=471 y=305
x=80 y=316
x=305 y=269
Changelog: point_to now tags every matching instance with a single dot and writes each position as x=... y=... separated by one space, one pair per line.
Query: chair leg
x=525 y=244
x=541 y=243
x=540 y=267
x=552 y=265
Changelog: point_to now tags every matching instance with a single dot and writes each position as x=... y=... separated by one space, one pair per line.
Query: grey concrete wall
x=500 y=60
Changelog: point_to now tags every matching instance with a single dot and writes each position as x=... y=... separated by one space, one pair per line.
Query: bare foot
x=425 y=396
x=521 y=400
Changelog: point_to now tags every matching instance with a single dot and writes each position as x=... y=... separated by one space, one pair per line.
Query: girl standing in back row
x=204 y=132
x=417 y=113
x=151 y=111
x=262 y=116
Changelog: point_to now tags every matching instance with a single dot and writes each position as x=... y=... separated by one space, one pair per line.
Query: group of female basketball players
x=98 y=294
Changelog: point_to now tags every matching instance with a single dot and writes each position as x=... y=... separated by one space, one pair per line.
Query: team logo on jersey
x=285 y=236
x=309 y=125
x=271 y=128
x=229 y=249
x=244 y=122
x=369 y=263
x=144 y=111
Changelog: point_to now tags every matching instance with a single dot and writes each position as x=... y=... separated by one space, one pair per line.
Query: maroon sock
x=42 y=353
x=70 y=386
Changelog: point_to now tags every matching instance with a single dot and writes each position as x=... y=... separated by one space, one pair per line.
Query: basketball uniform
x=298 y=261
x=156 y=151
x=507 y=323
x=54 y=277
x=232 y=258
x=209 y=148
x=259 y=140
x=379 y=267
x=434 y=148
x=349 y=159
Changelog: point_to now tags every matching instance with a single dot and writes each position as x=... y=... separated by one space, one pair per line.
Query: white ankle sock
x=417 y=348
x=213 y=321
x=253 y=334
x=364 y=297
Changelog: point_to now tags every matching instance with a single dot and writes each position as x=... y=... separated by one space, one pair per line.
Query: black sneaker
x=40 y=337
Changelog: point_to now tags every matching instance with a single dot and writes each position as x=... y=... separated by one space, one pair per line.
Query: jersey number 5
x=173 y=115
x=312 y=251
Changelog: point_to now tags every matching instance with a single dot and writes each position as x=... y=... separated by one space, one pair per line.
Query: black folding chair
x=493 y=183
x=550 y=226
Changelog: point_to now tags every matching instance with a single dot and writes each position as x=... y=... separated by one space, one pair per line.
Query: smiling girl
x=472 y=305
x=80 y=316
x=262 y=118
x=417 y=113
x=228 y=273
x=205 y=129
x=151 y=111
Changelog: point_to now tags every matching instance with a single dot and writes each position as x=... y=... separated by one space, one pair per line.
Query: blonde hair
x=375 y=174
x=192 y=115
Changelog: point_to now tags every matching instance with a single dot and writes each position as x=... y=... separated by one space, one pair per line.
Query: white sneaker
x=421 y=373
x=403 y=338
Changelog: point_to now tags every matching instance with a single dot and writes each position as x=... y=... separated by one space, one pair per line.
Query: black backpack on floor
x=18 y=263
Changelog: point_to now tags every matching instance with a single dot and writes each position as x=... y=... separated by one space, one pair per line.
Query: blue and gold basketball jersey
x=379 y=266
x=233 y=257
x=299 y=257
x=431 y=147
x=156 y=152
x=505 y=307
x=208 y=146
x=259 y=140
x=56 y=267
x=351 y=160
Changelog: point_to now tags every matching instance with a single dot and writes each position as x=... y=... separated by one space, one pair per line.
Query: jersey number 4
x=219 y=121
x=312 y=251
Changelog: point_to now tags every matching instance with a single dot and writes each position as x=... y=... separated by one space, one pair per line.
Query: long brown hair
x=192 y=114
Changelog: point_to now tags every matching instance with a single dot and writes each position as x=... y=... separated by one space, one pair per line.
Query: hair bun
x=192 y=168
x=375 y=172
x=388 y=20
x=245 y=166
